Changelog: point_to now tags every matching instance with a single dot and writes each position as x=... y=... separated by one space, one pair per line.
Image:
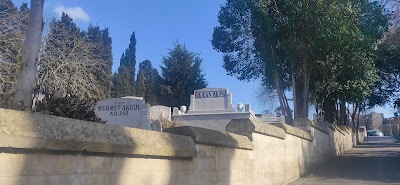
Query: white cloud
x=76 y=13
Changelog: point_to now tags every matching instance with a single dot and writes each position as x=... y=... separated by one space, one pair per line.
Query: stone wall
x=42 y=149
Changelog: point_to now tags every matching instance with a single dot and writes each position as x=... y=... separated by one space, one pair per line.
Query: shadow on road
x=374 y=162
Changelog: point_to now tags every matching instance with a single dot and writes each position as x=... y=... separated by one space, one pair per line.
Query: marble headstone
x=159 y=111
x=126 y=111
x=210 y=100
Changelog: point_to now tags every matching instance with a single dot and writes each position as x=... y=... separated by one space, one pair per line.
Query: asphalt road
x=373 y=163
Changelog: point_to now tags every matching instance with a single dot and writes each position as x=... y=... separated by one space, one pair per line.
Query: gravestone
x=210 y=100
x=126 y=111
x=159 y=111
x=175 y=110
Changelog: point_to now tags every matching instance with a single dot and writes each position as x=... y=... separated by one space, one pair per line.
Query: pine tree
x=151 y=82
x=181 y=75
x=124 y=80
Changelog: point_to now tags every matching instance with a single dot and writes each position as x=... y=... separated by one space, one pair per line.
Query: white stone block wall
x=273 y=160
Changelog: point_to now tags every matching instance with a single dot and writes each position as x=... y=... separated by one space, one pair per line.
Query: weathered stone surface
x=323 y=126
x=158 y=112
x=213 y=121
x=212 y=137
x=270 y=118
x=303 y=123
x=345 y=129
x=331 y=127
x=247 y=126
x=272 y=161
x=38 y=131
x=294 y=131
x=127 y=111
x=336 y=128
x=210 y=100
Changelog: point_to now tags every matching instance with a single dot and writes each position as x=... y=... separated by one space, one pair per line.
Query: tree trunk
x=300 y=98
x=289 y=114
x=283 y=102
x=294 y=89
x=342 y=114
x=353 y=114
x=329 y=108
x=30 y=56
x=300 y=80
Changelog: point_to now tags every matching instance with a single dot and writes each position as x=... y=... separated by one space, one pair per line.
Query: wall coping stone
x=294 y=131
x=346 y=129
x=332 y=127
x=323 y=126
x=25 y=130
x=213 y=137
x=336 y=128
x=247 y=126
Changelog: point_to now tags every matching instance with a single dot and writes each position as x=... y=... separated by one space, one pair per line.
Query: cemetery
x=70 y=113
x=209 y=108
x=216 y=144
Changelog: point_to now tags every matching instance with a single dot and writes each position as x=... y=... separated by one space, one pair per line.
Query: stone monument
x=127 y=111
x=210 y=100
x=211 y=108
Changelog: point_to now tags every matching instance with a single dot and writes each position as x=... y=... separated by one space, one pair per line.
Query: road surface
x=373 y=163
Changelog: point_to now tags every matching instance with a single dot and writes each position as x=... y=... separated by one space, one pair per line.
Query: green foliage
x=181 y=75
x=124 y=81
x=69 y=106
x=140 y=86
x=309 y=47
x=387 y=87
x=101 y=37
x=151 y=82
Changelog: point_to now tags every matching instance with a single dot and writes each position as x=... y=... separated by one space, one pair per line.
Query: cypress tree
x=150 y=83
x=140 y=87
x=124 y=80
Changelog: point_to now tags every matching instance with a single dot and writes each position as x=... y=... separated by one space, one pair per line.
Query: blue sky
x=157 y=24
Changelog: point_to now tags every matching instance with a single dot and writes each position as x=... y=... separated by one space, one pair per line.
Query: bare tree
x=13 y=26
x=267 y=99
x=30 y=57
x=68 y=66
x=394 y=7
